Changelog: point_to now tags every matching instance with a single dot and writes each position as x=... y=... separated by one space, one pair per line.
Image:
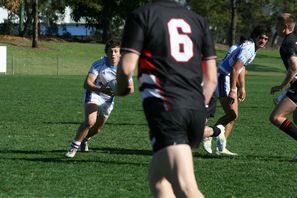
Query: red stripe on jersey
x=165 y=99
x=144 y=63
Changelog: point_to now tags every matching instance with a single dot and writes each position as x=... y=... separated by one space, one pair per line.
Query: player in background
x=210 y=132
x=207 y=142
x=230 y=87
x=99 y=98
x=288 y=52
x=167 y=41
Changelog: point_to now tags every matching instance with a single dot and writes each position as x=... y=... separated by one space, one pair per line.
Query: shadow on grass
x=42 y=156
x=28 y=155
x=107 y=123
x=264 y=158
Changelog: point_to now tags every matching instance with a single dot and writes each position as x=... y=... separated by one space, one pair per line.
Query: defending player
x=288 y=52
x=229 y=87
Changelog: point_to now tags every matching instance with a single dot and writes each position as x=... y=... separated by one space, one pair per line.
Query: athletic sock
x=75 y=144
x=216 y=131
x=289 y=128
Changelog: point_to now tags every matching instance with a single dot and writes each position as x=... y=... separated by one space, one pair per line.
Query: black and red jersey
x=170 y=40
x=288 y=48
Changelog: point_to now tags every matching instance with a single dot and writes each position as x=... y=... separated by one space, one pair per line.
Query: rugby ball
x=112 y=85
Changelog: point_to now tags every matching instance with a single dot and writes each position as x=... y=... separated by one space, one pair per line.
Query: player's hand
x=231 y=97
x=106 y=90
x=241 y=94
x=276 y=89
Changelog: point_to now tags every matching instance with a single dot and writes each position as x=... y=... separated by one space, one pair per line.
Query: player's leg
x=278 y=117
x=231 y=112
x=174 y=164
x=222 y=92
x=218 y=132
x=90 y=119
x=228 y=128
x=104 y=112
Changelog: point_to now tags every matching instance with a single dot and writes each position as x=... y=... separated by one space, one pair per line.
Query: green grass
x=51 y=58
x=39 y=115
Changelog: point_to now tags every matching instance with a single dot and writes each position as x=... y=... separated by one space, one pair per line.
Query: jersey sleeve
x=133 y=35
x=246 y=54
x=208 y=49
x=292 y=51
x=96 y=66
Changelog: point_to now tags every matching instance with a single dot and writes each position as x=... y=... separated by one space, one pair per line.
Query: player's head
x=112 y=43
x=285 y=24
x=260 y=35
x=113 y=51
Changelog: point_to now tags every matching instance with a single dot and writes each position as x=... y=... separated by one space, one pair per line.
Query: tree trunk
x=274 y=40
x=232 y=31
x=35 y=25
x=21 y=23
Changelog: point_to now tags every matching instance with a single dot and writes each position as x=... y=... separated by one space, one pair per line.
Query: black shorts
x=211 y=109
x=177 y=126
x=292 y=92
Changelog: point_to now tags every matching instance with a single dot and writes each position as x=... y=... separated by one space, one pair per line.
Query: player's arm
x=234 y=75
x=291 y=73
x=90 y=85
x=209 y=79
x=131 y=85
x=125 y=71
x=241 y=85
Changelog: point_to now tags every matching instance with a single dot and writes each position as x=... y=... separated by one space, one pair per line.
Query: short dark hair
x=259 y=30
x=111 y=44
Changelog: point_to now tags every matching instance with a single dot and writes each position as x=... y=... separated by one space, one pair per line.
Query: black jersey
x=288 y=48
x=171 y=41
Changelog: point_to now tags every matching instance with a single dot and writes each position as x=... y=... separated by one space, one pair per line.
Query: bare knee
x=89 y=124
x=275 y=119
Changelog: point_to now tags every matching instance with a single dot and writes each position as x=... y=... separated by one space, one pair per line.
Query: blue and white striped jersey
x=246 y=53
x=104 y=73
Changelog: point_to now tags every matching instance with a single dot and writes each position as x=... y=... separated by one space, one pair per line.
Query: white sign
x=3 y=59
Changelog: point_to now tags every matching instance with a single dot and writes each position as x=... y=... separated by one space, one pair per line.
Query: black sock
x=216 y=131
x=289 y=128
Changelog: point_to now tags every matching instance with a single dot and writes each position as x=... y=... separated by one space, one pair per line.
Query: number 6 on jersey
x=181 y=45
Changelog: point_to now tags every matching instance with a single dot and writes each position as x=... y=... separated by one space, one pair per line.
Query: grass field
x=39 y=115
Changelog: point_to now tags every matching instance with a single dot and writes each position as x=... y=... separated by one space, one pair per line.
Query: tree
x=35 y=24
x=103 y=13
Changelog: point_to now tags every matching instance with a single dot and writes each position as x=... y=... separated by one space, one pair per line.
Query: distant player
x=207 y=142
x=288 y=102
x=230 y=87
x=99 y=98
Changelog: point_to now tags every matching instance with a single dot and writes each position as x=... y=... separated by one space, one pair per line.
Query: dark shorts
x=211 y=109
x=177 y=126
x=292 y=92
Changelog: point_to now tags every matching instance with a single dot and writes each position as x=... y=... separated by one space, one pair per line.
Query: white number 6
x=181 y=45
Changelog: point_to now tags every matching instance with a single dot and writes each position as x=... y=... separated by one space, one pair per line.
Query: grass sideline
x=39 y=115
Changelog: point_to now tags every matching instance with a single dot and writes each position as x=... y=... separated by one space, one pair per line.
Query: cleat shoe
x=71 y=152
x=225 y=152
x=295 y=158
x=221 y=139
x=207 y=145
x=84 y=147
